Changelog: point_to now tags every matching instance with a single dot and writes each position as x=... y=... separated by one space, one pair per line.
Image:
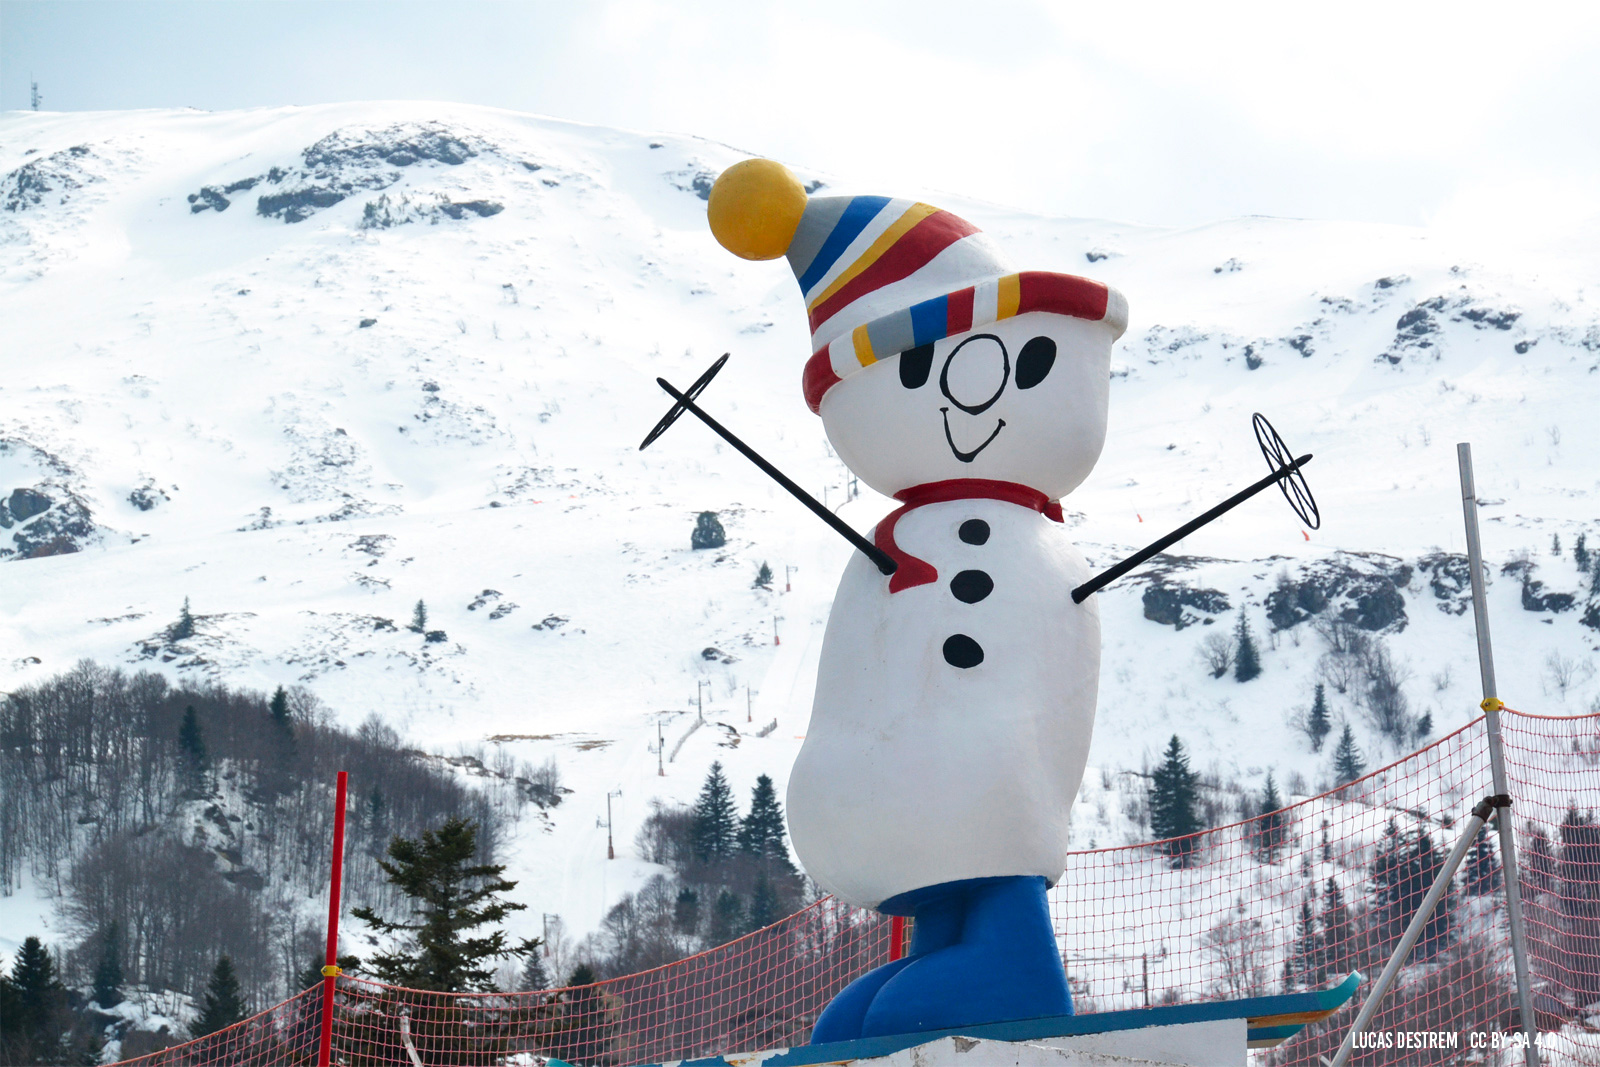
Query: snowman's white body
x=916 y=773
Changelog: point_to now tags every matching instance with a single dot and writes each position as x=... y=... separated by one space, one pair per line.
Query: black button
x=962 y=651
x=969 y=587
x=973 y=531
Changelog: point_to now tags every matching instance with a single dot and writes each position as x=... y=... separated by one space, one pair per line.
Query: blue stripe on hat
x=928 y=320
x=862 y=210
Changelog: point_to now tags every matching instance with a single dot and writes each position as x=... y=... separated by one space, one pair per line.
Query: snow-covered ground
x=195 y=388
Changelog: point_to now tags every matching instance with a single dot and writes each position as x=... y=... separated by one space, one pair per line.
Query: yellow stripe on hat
x=886 y=240
x=863 y=345
x=1010 y=296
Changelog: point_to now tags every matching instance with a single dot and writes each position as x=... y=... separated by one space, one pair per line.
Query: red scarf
x=912 y=571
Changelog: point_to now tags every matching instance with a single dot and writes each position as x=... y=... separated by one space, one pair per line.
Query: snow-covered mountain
x=306 y=367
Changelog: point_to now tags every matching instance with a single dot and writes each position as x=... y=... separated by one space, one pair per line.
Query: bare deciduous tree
x=1383 y=694
x=1216 y=652
x=1241 y=949
x=1343 y=638
x=1561 y=672
x=1339 y=671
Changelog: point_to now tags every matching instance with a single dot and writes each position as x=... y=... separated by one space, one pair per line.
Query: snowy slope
x=189 y=384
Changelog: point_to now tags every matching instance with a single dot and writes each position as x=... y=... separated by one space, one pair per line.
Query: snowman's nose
x=975 y=374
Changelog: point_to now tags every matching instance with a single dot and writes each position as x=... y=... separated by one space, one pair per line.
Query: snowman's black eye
x=915 y=363
x=1034 y=362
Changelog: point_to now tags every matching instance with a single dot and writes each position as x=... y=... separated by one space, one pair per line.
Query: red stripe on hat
x=1064 y=294
x=958 y=311
x=910 y=254
x=817 y=379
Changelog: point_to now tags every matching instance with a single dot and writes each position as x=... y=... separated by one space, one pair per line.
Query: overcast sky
x=1476 y=117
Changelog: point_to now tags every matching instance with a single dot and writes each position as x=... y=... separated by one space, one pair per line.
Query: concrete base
x=1205 y=1044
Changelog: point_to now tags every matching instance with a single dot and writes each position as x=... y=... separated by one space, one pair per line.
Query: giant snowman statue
x=955 y=699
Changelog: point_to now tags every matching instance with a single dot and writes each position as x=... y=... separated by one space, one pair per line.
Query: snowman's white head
x=1021 y=400
x=933 y=359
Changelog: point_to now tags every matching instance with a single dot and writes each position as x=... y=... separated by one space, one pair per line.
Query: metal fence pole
x=1497 y=762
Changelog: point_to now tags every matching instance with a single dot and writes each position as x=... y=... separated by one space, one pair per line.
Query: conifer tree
x=224 y=1001
x=1580 y=552
x=708 y=532
x=765 y=907
x=1555 y=544
x=375 y=814
x=584 y=1031
x=36 y=1015
x=1347 y=762
x=715 y=828
x=1306 y=966
x=534 y=978
x=108 y=972
x=192 y=750
x=764 y=577
x=1424 y=727
x=9 y=1009
x=1483 y=867
x=727 y=918
x=1541 y=861
x=1579 y=871
x=190 y=739
x=450 y=897
x=1270 y=824
x=1174 y=796
x=278 y=773
x=279 y=708
x=1402 y=873
x=1317 y=724
x=761 y=833
x=686 y=911
x=183 y=629
x=419 y=618
x=1336 y=929
x=90 y=1048
x=1246 y=661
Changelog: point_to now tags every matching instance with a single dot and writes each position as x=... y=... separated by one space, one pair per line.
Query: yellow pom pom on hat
x=755 y=208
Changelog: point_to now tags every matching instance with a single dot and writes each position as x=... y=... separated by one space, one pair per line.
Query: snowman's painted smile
x=968 y=457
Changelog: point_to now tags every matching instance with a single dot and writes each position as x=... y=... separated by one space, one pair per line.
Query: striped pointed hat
x=882 y=276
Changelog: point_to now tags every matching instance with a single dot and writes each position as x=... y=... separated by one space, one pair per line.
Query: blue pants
x=983 y=950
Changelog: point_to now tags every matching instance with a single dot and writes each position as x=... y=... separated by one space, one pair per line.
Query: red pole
x=330 y=970
x=897 y=936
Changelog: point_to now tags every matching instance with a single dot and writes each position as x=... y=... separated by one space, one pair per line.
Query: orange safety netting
x=1274 y=904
